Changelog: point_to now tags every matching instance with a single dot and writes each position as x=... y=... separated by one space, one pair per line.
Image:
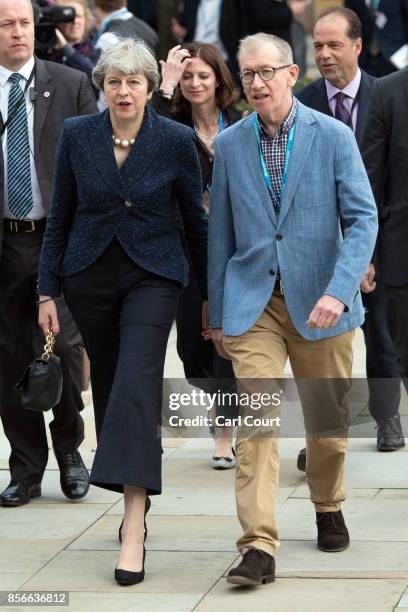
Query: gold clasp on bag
x=49 y=345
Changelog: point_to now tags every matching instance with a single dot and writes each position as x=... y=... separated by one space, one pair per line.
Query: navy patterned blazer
x=94 y=201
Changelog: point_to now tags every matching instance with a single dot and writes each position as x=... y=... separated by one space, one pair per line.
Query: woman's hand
x=47 y=315
x=173 y=68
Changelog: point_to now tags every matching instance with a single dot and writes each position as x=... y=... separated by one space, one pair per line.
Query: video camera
x=46 y=18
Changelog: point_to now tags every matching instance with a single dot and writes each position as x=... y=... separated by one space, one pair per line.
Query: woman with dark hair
x=197 y=89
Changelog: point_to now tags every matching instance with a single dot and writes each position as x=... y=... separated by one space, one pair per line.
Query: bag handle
x=49 y=345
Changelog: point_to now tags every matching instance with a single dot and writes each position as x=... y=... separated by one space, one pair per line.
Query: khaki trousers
x=261 y=353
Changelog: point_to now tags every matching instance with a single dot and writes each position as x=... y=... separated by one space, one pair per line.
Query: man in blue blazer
x=337 y=42
x=292 y=229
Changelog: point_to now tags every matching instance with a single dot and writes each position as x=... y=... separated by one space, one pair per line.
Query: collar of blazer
x=44 y=90
x=303 y=140
x=140 y=157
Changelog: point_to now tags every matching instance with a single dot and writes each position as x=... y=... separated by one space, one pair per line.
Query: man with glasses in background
x=284 y=282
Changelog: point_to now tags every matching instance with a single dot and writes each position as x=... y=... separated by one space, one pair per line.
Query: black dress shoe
x=332 y=533
x=74 y=476
x=19 y=493
x=126 y=578
x=389 y=434
x=256 y=567
x=148 y=503
x=301 y=460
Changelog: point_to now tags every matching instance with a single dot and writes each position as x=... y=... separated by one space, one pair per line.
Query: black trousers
x=203 y=367
x=125 y=315
x=382 y=361
x=397 y=316
x=21 y=340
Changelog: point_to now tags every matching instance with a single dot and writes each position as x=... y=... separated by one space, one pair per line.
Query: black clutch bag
x=41 y=383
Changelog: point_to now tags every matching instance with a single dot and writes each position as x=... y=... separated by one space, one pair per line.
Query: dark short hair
x=354 y=24
x=225 y=94
x=109 y=6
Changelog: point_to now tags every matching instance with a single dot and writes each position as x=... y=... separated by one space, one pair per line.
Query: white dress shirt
x=351 y=90
x=208 y=24
x=37 y=212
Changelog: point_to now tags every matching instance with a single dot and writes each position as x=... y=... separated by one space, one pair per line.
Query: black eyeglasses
x=265 y=74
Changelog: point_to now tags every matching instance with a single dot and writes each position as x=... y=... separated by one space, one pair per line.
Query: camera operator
x=36 y=97
x=75 y=40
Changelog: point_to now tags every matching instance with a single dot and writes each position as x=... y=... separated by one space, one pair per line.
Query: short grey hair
x=254 y=40
x=128 y=57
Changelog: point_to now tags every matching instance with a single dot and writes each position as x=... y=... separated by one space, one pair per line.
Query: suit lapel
x=144 y=150
x=44 y=94
x=320 y=101
x=304 y=136
x=139 y=158
x=251 y=153
x=104 y=156
x=363 y=102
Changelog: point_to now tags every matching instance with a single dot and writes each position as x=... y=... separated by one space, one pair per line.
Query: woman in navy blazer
x=113 y=245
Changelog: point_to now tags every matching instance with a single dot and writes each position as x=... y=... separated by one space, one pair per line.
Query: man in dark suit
x=344 y=91
x=385 y=153
x=385 y=30
x=35 y=99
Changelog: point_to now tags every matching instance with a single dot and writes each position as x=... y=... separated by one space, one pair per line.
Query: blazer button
x=128 y=203
x=279 y=236
x=272 y=272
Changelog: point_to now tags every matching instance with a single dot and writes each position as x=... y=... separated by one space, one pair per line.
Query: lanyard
x=221 y=127
x=289 y=146
x=3 y=126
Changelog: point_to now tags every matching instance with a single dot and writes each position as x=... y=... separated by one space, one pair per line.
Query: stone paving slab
x=302 y=492
x=367 y=520
x=199 y=501
x=171 y=533
x=306 y=595
x=166 y=572
x=362 y=560
x=123 y=602
x=37 y=521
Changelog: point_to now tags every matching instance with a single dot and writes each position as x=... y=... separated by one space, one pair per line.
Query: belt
x=17 y=226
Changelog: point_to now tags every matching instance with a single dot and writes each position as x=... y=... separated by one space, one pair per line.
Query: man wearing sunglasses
x=284 y=282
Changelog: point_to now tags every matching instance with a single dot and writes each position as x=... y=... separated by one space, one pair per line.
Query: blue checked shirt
x=274 y=151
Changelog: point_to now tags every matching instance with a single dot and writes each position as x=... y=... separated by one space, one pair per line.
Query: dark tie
x=340 y=112
x=20 y=197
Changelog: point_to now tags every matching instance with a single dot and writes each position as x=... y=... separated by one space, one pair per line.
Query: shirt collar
x=25 y=72
x=351 y=89
x=285 y=126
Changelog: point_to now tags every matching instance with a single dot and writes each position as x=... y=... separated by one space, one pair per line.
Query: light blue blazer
x=322 y=242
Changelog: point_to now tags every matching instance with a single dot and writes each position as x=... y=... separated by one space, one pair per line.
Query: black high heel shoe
x=148 y=503
x=126 y=578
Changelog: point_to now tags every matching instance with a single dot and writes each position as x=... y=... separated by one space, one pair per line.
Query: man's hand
x=216 y=337
x=326 y=313
x=61 y=40
x=368 y=283
x=47 y=315
x=177 y=30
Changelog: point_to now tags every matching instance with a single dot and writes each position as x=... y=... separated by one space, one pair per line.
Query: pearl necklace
x=123 y=143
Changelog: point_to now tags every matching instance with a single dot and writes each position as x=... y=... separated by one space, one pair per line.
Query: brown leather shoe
x=256 y=567
x=332 y=533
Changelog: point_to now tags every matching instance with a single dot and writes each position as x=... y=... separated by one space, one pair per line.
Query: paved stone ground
x=53 y=544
